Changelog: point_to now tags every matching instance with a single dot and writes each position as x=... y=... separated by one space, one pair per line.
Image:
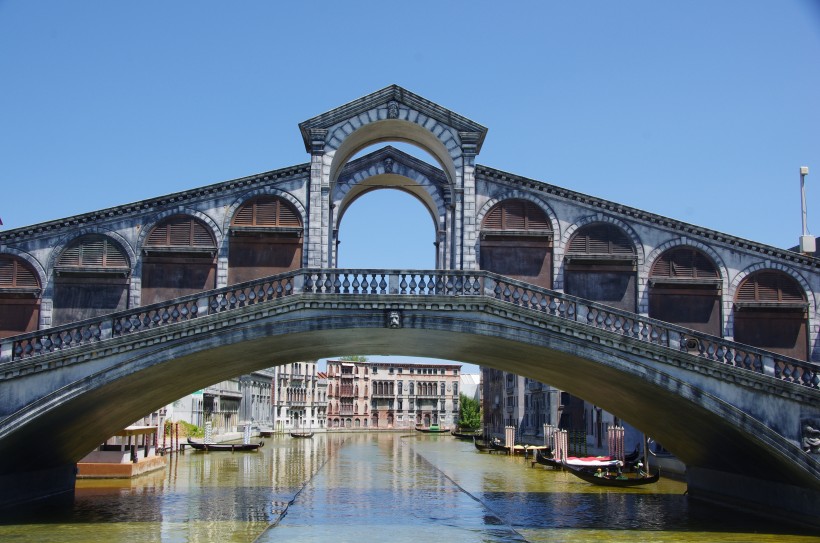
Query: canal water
x=364 y=487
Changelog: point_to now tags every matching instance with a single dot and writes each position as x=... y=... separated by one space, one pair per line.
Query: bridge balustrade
x=437 y=283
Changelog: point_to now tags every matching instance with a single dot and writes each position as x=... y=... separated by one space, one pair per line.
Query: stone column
x=316 y=241
x=469 y=141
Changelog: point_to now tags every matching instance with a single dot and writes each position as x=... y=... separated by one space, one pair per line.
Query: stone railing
x=439 y=283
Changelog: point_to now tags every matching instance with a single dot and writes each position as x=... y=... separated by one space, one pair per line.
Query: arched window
x=601 y=266
x=266 y=239
x=19 y=296
x=684 y=288
x=91 y=279
x=516 y=241
x=771 y=312
x=179 y=259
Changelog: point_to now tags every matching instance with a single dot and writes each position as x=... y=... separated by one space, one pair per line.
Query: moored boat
x=466 y=436
x=302 y=435
x=619 y=481
x=224 y=447
x=432 y=429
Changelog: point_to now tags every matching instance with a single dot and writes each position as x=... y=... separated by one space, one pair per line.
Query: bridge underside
x=709 y=435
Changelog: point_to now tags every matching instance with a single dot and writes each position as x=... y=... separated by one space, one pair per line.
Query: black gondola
x=302 y=435
x=612 y=481
x=482 y=445
x=224 y=447
x=464 y=435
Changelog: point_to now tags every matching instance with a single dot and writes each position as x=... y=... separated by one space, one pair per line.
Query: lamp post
x=807 y=242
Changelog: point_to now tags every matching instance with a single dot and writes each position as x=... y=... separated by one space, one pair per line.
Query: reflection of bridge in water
x=706 y=341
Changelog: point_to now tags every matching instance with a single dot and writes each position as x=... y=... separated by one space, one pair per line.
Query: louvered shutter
x=181 y=232
x=601 y=239
x=684 y=263
x=93 y=251
x=266 y=212
x=518 y=215
x=770 y=286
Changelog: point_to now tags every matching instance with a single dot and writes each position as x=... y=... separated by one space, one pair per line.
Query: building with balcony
x=390 y=395
x=299 y=399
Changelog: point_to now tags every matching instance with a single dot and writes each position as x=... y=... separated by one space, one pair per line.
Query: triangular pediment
x=382 y=98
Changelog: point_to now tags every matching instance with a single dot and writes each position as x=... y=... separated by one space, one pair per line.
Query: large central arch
x=394 y=114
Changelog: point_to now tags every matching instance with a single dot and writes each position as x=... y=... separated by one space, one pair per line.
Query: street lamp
x=807 y=242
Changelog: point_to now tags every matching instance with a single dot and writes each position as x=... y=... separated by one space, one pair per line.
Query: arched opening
x=19 y=296
x=516 y=241
x=266 y=239
x=601 y=266
x=771 y=312
x=684 y=288
x=91 y=279
x=179 y=259
x=387 y=228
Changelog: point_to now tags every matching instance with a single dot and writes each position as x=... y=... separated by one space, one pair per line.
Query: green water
x=378 y=487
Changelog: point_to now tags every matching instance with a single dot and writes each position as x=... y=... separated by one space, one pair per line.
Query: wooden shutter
x=14 y=273
x=181 y=231
x=519 y=215
x=770 y=286
x=267 y=211
x=601 y=239
x=684 y=263
x=93 y=251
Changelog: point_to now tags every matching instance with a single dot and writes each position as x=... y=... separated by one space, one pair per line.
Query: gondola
x=224 y=447
x=302 y=435
x=482 y=445
x=545 y=460
x=590 y=477
x=432 y=429
x=463 y=435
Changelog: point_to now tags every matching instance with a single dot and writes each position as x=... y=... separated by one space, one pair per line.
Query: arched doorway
x=91 y=279
x=601 y=265
x=266 y=239
x=771 y=312
x=685 y=289
x=19 y=296
x=179 y=259
x=516 y=241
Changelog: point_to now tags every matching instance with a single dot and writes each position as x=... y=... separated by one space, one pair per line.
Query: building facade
x=299 y=397
x=388 y=396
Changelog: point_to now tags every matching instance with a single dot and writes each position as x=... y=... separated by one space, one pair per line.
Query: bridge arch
x=28 y=258
x=774 y=328
x=267 y=235
x=21 y=287
x=76 y=292
x=530 y=251
x=562 y=243
x=702 y=296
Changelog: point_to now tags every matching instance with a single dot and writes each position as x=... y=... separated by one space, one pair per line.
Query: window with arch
x=19 y=296
x=179 y=258
x=771 y=312
x=266 y=239
x=516 y=241
x=685 y=289
x=601 y=266
x=91 y=279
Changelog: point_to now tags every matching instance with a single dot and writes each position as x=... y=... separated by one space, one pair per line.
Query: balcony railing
x=437 y=283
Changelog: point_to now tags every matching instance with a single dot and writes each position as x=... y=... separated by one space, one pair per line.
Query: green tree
x=469 y=413
x=354 y=358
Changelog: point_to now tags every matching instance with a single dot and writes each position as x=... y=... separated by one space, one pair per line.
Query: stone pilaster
x=317 y=238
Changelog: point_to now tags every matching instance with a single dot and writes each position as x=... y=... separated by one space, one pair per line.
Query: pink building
x=389 y=395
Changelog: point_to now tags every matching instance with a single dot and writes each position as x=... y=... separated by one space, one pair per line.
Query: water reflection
x=364 y=487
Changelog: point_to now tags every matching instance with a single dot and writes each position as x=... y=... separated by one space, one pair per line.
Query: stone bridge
x=706 y=341
x=731 y=412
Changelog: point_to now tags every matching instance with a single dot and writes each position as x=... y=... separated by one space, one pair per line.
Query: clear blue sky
x=702 y=110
